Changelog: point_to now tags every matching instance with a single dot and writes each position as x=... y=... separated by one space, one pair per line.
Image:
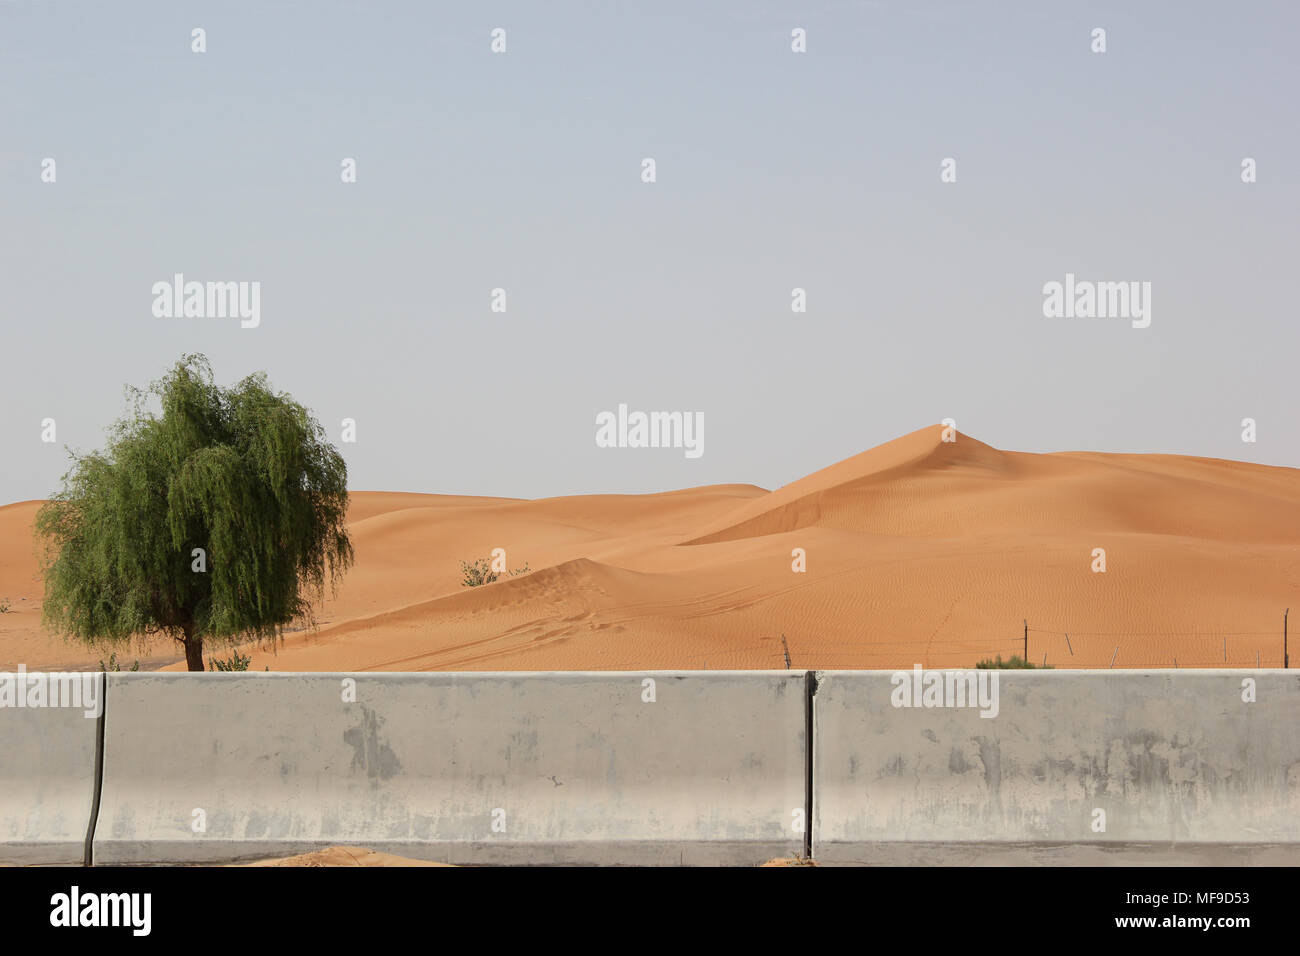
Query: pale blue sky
x=775 y=170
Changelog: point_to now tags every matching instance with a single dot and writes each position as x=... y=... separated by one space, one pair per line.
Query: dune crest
x=821 y=496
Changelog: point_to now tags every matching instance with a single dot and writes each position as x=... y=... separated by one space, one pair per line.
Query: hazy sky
x=775 y=170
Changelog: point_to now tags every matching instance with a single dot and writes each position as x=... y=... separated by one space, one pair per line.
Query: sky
x=774 y=170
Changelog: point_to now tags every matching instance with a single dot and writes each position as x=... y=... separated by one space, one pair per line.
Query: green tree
x=244 y=473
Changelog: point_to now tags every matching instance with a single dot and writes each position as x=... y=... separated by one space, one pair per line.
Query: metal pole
x=1026 y=642
x=1286 y=658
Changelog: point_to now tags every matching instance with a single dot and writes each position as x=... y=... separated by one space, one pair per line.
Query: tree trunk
x=193 y=649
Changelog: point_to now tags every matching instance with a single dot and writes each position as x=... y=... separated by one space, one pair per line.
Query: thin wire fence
x=1051 y=647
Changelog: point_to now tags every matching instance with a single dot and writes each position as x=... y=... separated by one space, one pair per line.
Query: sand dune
x=918 y=551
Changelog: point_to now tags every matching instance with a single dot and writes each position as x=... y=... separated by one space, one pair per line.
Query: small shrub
x=480 y=573
x=237 y=662
x=1014 y=663
x=4 y=606
x=113 y=665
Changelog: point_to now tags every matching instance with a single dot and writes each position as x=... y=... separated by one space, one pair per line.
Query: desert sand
x=343 y=856
x=918 y=551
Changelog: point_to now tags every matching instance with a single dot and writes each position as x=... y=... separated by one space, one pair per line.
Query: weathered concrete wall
x=1175 y=758
x=47 y=777
x=577 y=768
x=572 y=768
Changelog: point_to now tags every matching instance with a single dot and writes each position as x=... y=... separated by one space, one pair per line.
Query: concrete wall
x=714 y=771
x=577 y=766
x=47 y=779
x=1174 y=758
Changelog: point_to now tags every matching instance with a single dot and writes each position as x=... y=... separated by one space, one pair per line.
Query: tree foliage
x=244 y=473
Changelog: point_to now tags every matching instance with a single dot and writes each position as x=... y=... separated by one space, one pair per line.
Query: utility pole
x=1286 y=659
x=1026 y=642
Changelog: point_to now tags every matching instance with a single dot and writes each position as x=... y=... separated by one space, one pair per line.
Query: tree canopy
x=245 y=474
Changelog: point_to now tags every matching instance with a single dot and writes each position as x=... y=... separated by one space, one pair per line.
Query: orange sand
x=342 y=856
x=918 y=551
